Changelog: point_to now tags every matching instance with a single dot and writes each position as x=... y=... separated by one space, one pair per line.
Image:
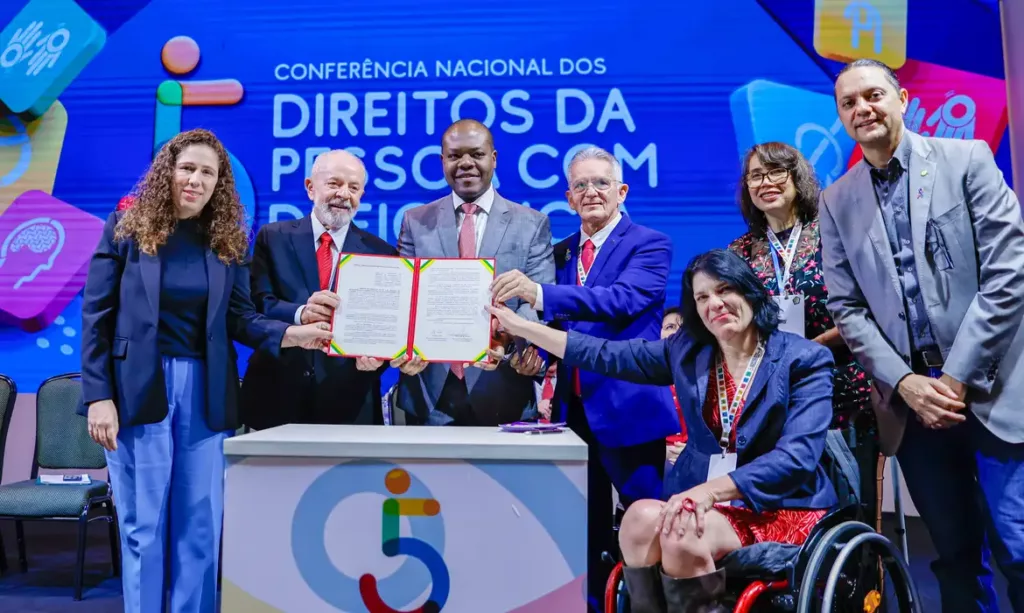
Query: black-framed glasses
x=775 y=175
x=600 y=184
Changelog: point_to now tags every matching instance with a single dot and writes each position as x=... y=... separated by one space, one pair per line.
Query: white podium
x=378 y=519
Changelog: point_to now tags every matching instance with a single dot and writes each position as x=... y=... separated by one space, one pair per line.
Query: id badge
x=792 y=315
x=721 y=465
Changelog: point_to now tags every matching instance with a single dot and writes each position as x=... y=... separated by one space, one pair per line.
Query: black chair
x=62 y=443
x=8 y=394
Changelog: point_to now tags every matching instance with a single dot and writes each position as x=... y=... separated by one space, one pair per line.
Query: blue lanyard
x=778 y=271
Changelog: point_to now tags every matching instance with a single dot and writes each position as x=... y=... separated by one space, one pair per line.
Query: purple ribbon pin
x=920 y=193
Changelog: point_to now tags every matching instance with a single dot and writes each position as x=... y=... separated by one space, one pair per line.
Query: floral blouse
x=852 y=386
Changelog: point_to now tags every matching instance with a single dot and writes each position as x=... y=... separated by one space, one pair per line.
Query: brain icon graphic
x=38 y=238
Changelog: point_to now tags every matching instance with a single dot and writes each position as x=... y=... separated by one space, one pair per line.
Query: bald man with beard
x=293 y=268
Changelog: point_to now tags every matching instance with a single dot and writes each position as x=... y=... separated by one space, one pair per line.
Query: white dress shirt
x=483 y=203
x=599 y=238
x=337 y=241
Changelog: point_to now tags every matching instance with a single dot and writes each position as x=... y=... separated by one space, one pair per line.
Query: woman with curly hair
x=778 y=196
x=167 y=292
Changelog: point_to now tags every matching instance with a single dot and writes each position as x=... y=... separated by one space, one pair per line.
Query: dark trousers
x=636 y=471
x=941 y=469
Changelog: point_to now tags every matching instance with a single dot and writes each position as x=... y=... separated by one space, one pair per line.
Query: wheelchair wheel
x=853 y=569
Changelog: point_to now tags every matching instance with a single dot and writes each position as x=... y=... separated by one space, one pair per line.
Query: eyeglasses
x=601 y=185
x=775 y=175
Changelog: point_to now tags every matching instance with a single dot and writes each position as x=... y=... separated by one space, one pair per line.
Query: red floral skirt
x=789 y=526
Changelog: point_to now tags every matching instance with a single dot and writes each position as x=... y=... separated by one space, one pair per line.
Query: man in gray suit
x=475 y=221
x=923 y=252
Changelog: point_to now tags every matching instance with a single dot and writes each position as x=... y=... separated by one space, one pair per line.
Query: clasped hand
x=937 y=402
x=676 y=513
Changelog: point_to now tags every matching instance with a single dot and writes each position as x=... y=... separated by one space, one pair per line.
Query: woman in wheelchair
x=757 y=403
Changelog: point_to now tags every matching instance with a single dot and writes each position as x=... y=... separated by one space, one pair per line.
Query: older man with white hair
x=293 y=269
x=611 y=278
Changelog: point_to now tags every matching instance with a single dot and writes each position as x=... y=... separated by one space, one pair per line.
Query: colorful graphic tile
x=46 y=45
x=29 y=153
x=45 y=247
x=764 y=111
x=950 y=103
x=846 y=30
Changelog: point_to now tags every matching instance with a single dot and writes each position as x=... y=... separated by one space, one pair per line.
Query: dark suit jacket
x=623 y=299
x=780 y=436
x=299 y=386
x=120 y=317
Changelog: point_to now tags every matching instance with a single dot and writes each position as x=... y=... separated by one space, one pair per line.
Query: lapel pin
x=568 y=255
x=920 y=193
x=924 y=173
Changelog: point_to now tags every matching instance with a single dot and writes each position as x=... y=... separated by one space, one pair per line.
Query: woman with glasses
x=778 y=197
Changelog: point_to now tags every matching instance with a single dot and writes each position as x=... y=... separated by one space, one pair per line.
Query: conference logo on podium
x=846 y=30
x=764 y=111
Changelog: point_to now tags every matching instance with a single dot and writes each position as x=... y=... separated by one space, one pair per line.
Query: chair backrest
x=62 y=436
x=842 y=469
x=8 y=394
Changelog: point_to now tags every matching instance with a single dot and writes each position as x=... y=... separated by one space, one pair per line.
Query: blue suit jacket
x=780 y=437
x=284 y=276
x=623 y=299
x=121 y=357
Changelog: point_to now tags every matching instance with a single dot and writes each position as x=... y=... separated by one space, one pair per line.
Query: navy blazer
x=780 y=436
x=624 y=298
x=121 y=357
x=284 y=276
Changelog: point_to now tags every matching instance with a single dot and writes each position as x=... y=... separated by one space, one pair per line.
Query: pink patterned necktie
x=467 y=249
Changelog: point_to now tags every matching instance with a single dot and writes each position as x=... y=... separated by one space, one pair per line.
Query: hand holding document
x=393 y=306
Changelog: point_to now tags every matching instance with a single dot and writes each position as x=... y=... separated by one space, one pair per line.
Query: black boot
x=643 y=584
x=703 y=594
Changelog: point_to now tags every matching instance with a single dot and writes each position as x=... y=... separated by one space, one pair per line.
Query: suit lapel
x=567 y=267
x=303 y=242
x=151 y=269
x=773 y=351
x=216 y=273
x=497 y=222
x=446 y=228
x=702 y=364
x=919 y=200
x=354 y=241
x=608 y=248
x=868 y=205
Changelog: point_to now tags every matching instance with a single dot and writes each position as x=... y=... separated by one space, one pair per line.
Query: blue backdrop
x=676 y=89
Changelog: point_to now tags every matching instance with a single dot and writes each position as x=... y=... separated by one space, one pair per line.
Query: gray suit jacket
x=968 y=241
x=519 y=238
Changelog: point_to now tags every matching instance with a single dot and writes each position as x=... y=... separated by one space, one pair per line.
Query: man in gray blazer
x=474 y=221
x=923 y=252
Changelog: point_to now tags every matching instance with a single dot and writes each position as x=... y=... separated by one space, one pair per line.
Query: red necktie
x=547 y=392
x=587 y=259
x=324 y=260
x=467 y=249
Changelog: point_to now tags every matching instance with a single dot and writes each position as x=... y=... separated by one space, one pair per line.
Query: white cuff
x=538 y=305
x=298 y=315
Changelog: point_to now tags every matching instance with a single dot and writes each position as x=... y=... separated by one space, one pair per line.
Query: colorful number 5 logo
x=422 y=564
x=397 y=482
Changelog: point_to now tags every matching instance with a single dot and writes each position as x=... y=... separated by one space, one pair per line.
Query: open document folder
x=391 y=306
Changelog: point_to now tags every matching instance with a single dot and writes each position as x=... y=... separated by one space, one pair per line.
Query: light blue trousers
x=168 y=482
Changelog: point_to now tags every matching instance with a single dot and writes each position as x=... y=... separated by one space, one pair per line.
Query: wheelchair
x=842 y=566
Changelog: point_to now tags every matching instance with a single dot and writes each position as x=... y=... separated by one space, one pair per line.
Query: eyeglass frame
x=747 y=177
x=590 y=183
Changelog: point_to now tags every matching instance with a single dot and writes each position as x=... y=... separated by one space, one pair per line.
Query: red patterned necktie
x=587 y=259
x=467 y=249
x=324 y=260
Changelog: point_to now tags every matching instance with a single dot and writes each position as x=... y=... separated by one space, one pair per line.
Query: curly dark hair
x=780 y=155
x=152 y=217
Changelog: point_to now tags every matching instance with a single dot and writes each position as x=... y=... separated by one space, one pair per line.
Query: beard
x=333 y=217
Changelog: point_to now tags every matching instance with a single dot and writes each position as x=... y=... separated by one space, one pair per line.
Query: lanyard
x=728 y=410
x=788 y=253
